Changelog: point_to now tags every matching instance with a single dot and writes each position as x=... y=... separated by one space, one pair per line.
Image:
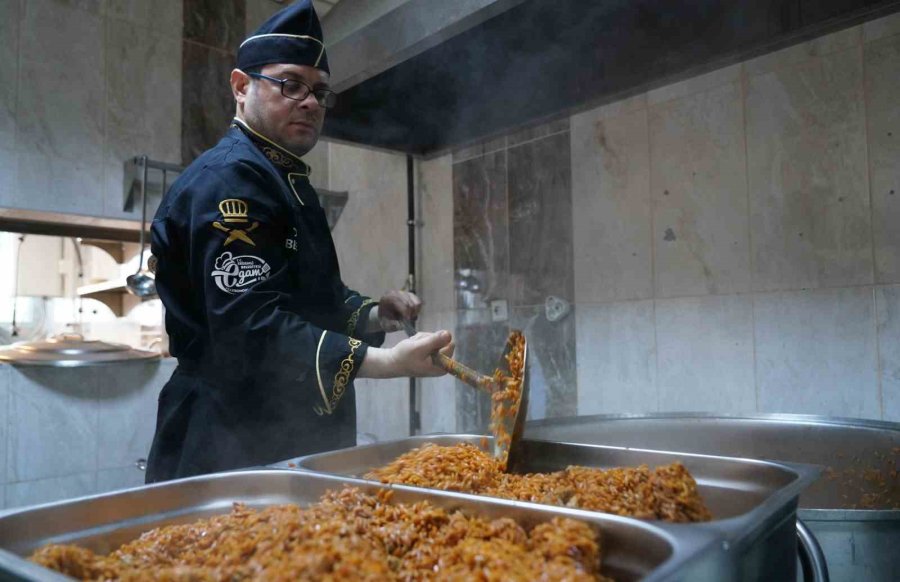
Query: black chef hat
x=292 y=35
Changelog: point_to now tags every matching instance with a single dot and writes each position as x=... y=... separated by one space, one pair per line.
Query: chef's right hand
x=410 y=357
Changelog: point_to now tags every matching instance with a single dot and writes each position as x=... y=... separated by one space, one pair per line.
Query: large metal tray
x=859 y=540
x=632 y=549
x=754 y=503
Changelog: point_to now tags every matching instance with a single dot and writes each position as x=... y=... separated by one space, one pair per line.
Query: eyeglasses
x=298 y=90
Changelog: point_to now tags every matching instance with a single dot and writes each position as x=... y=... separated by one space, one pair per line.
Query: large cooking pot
x=853 y=510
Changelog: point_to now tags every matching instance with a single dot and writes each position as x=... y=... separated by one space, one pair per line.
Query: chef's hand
x=410 y=357
x=394 y=308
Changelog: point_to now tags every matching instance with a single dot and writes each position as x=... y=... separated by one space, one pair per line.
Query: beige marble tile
x=9 y=177
x=809 y=198
x=65 y=123
x=382 y=406
x=62 y=35
x=52 y=424
x=616 y=358
x=699 y=187
x=163 y=16
x=317 y=160
x=479 y=149
x=700 y=83
x=48 y=490
x=58 y=185
x=119 y=478
x=435 y=236
x=127 y=406
x=882 y=27
x=815 y=352
x=437 y=396
x=705 y=354
x=9 y=70
x=538 y=131
x=802 y=52
x=615 y=108
x=370 y=236
x=887 y=308
x=97 y=7
x=882 y=83
x=611 y=207
x=143 y=77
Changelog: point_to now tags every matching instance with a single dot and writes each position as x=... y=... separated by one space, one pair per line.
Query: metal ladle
x=508 y=454
x=143 y=283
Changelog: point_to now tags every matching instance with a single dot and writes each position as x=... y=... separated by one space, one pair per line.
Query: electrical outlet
x=499 y=310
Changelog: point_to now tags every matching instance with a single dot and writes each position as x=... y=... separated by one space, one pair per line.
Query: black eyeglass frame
x=326 y=98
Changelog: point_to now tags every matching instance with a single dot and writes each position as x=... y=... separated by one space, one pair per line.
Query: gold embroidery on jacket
x=341 y=379
x=354 y=319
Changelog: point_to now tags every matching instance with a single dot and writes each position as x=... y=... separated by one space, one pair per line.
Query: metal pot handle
x=812 y=559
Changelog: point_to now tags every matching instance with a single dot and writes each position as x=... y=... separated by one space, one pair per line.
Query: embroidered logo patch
x=235 y=275
x=235 y=211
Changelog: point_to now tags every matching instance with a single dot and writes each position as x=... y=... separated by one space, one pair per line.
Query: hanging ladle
x=142 y=283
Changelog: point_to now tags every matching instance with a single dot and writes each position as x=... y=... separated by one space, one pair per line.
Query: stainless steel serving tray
x=632 y=549
x=754 y=503
x=858 y=543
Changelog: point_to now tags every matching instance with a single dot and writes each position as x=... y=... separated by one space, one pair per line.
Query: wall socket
x=499 y=310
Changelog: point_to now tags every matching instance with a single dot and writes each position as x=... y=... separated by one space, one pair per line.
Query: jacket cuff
x=357 y=322
x=338 y=359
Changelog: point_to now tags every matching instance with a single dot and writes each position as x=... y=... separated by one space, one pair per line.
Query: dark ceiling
x=546 y=58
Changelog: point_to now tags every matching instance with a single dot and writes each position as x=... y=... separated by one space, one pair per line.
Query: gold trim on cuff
x=354 y=318
x=341 y=379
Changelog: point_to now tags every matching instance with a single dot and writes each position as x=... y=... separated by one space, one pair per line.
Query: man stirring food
x=268 y=338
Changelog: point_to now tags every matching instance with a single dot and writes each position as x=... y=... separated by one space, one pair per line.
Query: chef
x=268 y=338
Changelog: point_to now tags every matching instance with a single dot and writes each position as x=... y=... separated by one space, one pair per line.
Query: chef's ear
x=240 y=85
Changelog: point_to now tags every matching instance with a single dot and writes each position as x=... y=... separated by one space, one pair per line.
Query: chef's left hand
x=397 y=306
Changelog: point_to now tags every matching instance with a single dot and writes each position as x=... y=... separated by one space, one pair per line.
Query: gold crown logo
x=233 y=210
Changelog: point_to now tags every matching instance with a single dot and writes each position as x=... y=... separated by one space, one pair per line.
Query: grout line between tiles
x=869 y=188
x=751 y=262
x=878 y=366
x=653 y=289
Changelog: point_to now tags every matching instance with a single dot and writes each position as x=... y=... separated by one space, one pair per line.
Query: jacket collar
x=280 y=157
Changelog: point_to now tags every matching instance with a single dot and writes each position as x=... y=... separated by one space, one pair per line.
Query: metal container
x=754 y=503
x=858 y=543
x=632 y=549
x=72 y=351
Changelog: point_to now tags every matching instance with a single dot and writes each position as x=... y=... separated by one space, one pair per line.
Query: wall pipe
x=414 y=420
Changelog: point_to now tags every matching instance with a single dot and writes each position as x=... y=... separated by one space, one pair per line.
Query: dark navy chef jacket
x=268 y=338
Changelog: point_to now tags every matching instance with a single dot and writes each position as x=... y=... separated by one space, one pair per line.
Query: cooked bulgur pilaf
x=348 y=535
x=667 y=492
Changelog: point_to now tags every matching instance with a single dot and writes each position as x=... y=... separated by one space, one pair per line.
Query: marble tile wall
x=611 y=188
x=480 y=230
x=512 y=249
x=94 y=424
x=213 y=30
x=882 y=86
x=733 y=240
x=540 y=220
x=887 y=310
x=371 y=241
x=437 y=396
x=120 y=66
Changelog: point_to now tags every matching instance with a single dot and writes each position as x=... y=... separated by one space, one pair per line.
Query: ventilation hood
x=430 y=75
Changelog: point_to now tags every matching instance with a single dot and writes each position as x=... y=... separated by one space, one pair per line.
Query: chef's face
x=294 y=125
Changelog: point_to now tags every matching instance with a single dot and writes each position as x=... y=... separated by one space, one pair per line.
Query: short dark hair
x=253 y=70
